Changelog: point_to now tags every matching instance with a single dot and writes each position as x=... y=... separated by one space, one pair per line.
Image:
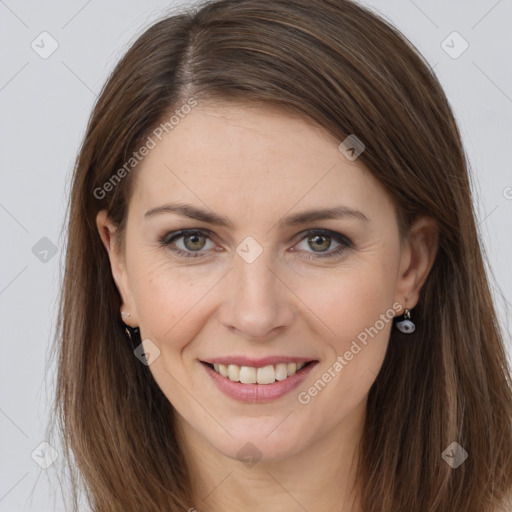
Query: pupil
x=193 y=247
x=326 y=239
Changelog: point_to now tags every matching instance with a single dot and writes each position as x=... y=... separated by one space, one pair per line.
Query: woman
x=274 y=295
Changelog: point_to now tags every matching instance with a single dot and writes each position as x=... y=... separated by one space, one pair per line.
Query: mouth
x=263 y=375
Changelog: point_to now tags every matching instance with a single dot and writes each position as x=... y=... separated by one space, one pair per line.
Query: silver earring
x=125 y=314
x=406 y=325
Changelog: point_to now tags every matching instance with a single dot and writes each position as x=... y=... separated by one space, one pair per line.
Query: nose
x=258 y=305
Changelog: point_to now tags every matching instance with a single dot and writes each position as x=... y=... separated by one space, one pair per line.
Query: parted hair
x=343 y=67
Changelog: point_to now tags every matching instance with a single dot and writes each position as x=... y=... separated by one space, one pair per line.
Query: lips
x=253 y=392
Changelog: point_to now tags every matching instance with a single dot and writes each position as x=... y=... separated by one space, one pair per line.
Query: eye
x=320 y=240
x=192 y=242
x=189 y=243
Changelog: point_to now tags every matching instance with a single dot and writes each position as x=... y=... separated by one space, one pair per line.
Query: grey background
x=45 y=104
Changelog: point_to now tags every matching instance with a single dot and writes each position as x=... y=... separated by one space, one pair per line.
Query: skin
x=256 y=166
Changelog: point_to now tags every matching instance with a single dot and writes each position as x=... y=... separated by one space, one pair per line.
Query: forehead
x=225 y=157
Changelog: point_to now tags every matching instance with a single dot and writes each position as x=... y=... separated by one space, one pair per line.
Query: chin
x=262 y=442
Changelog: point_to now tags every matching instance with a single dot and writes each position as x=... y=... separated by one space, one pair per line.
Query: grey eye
x=317 y=242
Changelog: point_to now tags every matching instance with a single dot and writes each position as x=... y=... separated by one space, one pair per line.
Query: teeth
x=281 y=371
x=247 y=375
x=223 y=370
x=265 y=375
x=234 y=372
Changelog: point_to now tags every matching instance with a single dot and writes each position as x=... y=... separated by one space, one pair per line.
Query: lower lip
x=258 y=393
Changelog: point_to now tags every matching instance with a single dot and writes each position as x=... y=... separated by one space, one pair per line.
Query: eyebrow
x=192 y=212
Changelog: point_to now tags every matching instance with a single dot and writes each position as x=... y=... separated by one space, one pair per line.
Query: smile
x=253 y=375
x=258 y=380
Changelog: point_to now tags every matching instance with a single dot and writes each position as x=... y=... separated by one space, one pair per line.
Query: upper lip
x=257 y=362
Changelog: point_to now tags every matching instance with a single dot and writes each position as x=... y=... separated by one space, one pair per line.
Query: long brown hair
x=341 y=66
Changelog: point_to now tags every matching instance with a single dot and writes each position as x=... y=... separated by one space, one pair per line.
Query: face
x=227 y=264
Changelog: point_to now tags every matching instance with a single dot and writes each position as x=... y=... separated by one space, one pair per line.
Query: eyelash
x=345 y=242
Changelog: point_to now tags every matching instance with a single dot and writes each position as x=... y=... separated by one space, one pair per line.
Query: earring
x=132 y=332
x=406 y=325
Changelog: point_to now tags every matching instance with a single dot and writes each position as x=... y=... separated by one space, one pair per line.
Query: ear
x=107 y=229
x=418 y=255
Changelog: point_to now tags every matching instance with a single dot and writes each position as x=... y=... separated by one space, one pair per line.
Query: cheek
x=359 y=327
x=168 y=298
x=349 y=300
x=354 y=317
